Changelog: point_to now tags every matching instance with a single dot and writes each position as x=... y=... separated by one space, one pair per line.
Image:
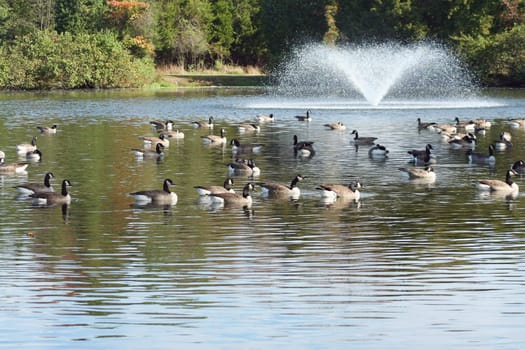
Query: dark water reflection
x=409 y=265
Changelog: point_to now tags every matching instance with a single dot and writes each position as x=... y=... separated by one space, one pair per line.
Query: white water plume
x=374 y=72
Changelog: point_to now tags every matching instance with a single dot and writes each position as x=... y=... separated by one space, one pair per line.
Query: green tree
x=182 y=34
x=221 y=31
x=248 y=46
x=288 y=22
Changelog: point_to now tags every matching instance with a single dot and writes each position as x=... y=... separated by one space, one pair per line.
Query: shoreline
x=198 y=80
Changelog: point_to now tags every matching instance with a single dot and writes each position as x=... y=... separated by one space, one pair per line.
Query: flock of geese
x=459 y=135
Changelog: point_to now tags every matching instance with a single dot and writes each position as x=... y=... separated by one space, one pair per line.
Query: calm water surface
x=408 y=266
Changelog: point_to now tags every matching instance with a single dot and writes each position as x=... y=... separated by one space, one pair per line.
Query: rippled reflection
x=409 y=264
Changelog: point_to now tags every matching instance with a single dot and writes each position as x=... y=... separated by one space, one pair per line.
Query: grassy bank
x=223 y=77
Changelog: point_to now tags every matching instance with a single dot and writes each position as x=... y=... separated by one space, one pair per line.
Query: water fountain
x=376 y=73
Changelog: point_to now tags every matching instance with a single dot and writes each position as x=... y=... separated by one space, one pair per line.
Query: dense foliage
x=109 y=43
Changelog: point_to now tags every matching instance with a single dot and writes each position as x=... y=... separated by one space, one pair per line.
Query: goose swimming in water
x=11 y=168
x=519 y=167
x=157 y=154
x=502 y=187
x=153 y=140
x=280 y=190
x=35 y=187
x=23 y=148
x=34 y=156
x=304 y=118
x=157 y=125
x=265 y=118
x=357 y=140
x=424 y=125
x=248 y=127
x=215 y=139
x=468 y=141
x=469 y=126
x=50 y=198
x=336 y=126
x=504 y=141
x=158 y=197
x=482 y=158
x=303 y=148
x=234 y=199
x=48 y=129
x=422 y=156
x=207 y=190
x=245 y=148
x=174 y=134
x=418 y=173
x=345 y=192
x=378 y=151
x=243 y=167
x=204 y=124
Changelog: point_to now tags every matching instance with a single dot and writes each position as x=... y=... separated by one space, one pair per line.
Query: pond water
x=407 y=266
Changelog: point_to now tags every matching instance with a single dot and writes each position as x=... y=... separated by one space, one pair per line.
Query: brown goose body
x=234 y=199
x=159 y=197
x=35 y=187
x=207 y=190
x=53 y=198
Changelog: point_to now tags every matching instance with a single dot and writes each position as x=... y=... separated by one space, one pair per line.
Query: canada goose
x=454 y=136
x=378 y=151
x=159 y=197
x=469 y=126
x=362 y=140
x=23 y=148
x=482 y=158
x=493 y=185
x=280 y=190
x=424 y=125
x=241 y=167
x=53 y=198
x=483 y=123
x=157 y=125
x=304 y=148
x=265 y=118
x=304 y=118
x=334 y=191
x=245 y=148
x=255 y=169
x=215 y=139
x=339 y=126
x=445 y=129
x=419 y=173
x=34 y=187
x=12 y=168
x=157 y=154
x=153 y=140
x=48 y=129
x=504 y=141
x=519 y=167
x=468 y=141
x=417 y=153
x=234 y=199
x=247 y=127
x=422 y=157
x=204 y=124
x=34 y=156
x=207 y=190
x=174 y=134
x=517 y=123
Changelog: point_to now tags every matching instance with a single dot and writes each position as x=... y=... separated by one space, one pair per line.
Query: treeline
x=112 y=43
